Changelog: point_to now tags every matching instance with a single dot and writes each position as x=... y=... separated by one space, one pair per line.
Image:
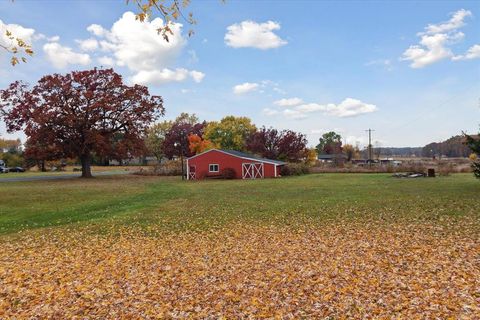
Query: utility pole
x=370 y=146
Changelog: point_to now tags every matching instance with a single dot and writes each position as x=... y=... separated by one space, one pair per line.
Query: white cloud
x=17 y=31
x=472 y=53
x=435 y=41
x=349 y=107
x=254 y=35
x=97 y=30
x=61 y=56
x=294 y=114
x=455 y=22
x=106 y=61
x=166 y=75
x=432 y=49
x=138 y=46
x=197 y=76
x=88 y=44
x=288 y=102
x=270 y=112
x=245 y=88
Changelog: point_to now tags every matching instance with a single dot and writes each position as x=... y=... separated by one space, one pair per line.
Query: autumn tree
x=293 y=146
x=230 y=133
x=265 y=142
x=10 y=145
x=198 y=145
x=176 y=142
x=330 y=143
x=349 y=151
x=474 y=144
x=82 y=114
x=282 y=145
x=311 y=157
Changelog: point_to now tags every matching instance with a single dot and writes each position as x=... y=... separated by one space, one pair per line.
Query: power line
x=436 y=107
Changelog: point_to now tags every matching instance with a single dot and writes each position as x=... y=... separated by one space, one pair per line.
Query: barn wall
x=224 y=161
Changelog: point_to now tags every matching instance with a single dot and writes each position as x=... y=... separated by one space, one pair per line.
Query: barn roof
x=244 y=155
x=251 y=156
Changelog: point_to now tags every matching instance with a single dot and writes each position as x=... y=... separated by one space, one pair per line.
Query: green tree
x=474 y=144
x=230 y=133
x=156 y=137
x=330 y=143
x=186 y=118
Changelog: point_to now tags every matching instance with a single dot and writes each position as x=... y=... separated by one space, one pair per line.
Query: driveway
x=16 y=177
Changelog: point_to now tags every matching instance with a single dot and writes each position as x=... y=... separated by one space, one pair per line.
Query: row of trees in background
x=455 y=147
x=187 y=136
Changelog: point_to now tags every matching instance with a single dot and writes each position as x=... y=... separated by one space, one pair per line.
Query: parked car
x=4 y=170
x=17 y=169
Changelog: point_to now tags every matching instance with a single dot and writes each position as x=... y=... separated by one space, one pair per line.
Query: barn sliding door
x=252 y=170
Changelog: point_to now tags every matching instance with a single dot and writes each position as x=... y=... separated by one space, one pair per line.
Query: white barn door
x=252 y=170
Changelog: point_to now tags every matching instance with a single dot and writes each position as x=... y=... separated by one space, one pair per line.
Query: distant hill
x=453 y=147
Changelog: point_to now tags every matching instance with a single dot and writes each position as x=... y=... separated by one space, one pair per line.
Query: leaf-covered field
x=318 y=246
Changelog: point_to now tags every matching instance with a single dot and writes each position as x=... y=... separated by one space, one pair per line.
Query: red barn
x=246 y=166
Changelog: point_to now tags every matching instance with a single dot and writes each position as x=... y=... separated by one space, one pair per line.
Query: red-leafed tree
x=283 y=145
x=265 y=142
x=81 y=114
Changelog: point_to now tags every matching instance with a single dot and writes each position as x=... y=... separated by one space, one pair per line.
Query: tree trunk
x=42 y=166
x=86 y=160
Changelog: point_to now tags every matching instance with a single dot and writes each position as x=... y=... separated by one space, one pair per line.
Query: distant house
x=211 y=163
x=333 y=158
x=390 y=162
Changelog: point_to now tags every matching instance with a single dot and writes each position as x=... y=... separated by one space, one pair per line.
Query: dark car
x=17 y=169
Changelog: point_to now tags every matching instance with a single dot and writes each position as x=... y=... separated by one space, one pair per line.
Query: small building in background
x=337 y=158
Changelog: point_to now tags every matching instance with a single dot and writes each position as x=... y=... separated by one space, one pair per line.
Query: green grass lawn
x=172 y=204
x=319 y=246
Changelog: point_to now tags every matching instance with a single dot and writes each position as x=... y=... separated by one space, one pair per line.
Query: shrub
x=476 y=168
x=167 y=168
x=294 y=169
x=444 y=169
x=228 y=173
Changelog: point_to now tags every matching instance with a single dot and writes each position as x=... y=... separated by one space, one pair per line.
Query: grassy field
x=68 y=170
x=323 y=245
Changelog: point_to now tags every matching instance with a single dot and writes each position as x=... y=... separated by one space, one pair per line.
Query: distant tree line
x=187 y=136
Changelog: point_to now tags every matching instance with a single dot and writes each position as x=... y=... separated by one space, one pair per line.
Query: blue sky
x=409 y=70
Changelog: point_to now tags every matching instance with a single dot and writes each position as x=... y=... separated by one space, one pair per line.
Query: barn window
x=213 y=167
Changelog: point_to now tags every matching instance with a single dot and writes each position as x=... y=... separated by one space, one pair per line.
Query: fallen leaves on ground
x=348 y=270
